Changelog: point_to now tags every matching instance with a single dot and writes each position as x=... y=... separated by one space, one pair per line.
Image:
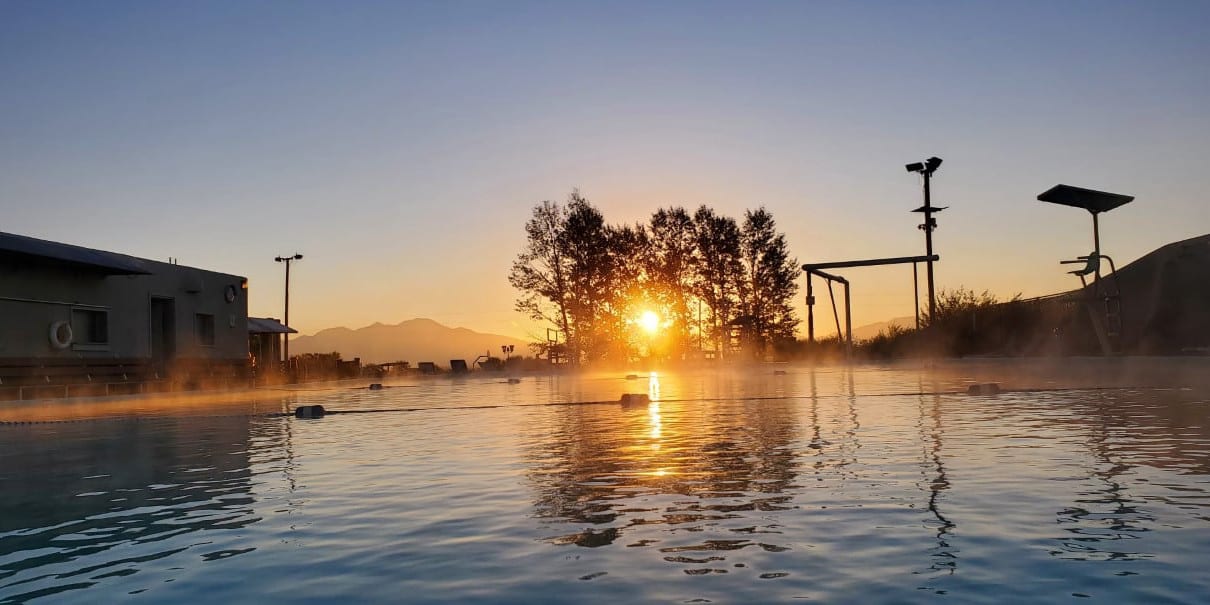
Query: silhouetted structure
x=79 y=321
x=927 y=168
x=1108 y=324
x=287 y=260
x=323 y=366
x=265 y=338
x=817 y=270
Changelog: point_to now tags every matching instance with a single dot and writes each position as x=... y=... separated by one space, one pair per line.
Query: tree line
x=704 y=276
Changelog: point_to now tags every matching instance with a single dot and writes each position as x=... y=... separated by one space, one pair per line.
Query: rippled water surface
x=832 y=485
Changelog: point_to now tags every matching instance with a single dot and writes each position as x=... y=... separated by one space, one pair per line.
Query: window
x=90 y=327
x=205 y=329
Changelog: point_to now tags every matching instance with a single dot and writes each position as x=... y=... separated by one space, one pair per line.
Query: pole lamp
x=286 y=341
x=927 y=168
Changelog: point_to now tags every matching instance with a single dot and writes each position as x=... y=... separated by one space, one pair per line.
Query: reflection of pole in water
x=815 y=438
x=943 y=555
x=288 y=468
x=853 y=405
x=1093 y=527
x=854 y=425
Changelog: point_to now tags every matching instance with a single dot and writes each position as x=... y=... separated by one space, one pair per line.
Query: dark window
x=205 y=329
x=90 y=327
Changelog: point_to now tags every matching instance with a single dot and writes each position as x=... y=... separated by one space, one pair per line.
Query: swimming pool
x=870 y=485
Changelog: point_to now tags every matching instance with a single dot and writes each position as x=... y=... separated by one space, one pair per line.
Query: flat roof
x=268 y=325
x=109 y=263
x=1089 y=199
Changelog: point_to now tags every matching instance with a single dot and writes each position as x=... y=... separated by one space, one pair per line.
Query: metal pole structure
x=286 y=337
x=286 y=344
x=916 y=292
x=812 y=269
x=1096 y=249
x=928 y=241
x=848 y=321
x=835 y=313
x=926 y=169
x=810 y=311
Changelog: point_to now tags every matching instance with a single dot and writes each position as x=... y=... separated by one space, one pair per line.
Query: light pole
x=286 y=341
x=927 y=168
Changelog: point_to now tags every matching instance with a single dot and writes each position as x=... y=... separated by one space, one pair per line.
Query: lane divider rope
x=624 y=402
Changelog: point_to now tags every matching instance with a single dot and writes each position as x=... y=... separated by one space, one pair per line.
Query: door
x=163 y=329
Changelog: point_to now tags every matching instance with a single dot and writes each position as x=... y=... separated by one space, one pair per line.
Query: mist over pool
x=871 y=485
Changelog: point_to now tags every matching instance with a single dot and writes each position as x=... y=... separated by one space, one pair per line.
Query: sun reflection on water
x=653 y=418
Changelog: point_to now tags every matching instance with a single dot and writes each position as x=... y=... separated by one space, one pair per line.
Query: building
x=78 y=321
x=265 y=335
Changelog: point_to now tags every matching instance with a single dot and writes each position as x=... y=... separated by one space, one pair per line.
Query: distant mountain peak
x=420 y=321
x=414 y=340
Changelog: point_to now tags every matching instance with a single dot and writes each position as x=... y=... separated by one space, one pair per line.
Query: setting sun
x=650 y=322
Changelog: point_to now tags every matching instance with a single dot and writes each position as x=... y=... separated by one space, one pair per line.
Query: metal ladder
x=1113 y=318
x=1107 y=315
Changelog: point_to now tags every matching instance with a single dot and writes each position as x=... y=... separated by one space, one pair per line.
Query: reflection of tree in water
x=573 y=469
x=74 y=491
x=720 y=461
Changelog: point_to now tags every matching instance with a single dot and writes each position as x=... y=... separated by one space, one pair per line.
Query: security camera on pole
x=927 y=168
x=286 y=340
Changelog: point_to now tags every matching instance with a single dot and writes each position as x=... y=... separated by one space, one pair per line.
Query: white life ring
x=60 y=334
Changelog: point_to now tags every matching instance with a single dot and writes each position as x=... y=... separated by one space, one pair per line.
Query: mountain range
x=414 y=340
x=417 y=340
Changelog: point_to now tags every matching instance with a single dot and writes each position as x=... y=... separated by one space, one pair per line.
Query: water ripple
x=868 y=485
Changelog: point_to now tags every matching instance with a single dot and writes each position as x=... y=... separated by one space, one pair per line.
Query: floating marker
x=514 y=381
x=779 y=372
x=632 y=377
x=990 y=388
x=309 y=411
x=376 y=386
x=635 y=399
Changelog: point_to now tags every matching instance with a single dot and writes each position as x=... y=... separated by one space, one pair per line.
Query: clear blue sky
x=400 y=146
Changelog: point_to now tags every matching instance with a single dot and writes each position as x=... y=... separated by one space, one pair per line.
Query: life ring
x=60 y=334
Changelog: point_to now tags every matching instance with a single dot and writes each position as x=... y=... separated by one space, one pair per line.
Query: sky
x=401 y=146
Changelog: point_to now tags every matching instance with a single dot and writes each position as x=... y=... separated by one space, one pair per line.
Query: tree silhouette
x=542 y=271
x=770 y=279
x=669 y=267
x=718 y=269
x=592 y=280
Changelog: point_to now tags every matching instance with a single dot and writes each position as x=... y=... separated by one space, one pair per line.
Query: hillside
x=1164 y=310
x=1166 y=298
x=414 y=340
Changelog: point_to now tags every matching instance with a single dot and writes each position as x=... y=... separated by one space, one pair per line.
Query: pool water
x=866 y=485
